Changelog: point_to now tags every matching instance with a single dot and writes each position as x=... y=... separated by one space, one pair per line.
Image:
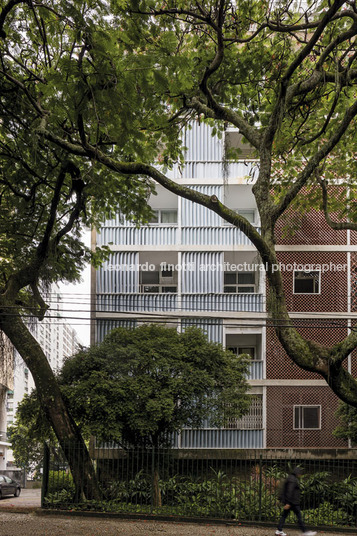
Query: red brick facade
x=335 y=295
x=322 y=331
x=309 y=228
x=280 y=418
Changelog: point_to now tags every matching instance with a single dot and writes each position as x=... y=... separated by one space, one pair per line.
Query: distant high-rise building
x=58 y=341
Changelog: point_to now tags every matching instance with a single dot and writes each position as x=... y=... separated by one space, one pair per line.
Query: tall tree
x=110 y=86
x=46 y=197
x=140 y=386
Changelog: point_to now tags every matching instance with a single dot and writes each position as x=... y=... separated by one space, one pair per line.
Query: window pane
x=151 y=289
x=149 y=277
x=169 y=289
x=297 y=417
x=169 y=216
x=248 y=214
x=311 y=417
x=230 y=290
x=307 y=282
x=243 y=290
x=246 y=278
x=247 y=350
x=166 y=273
x=155 y=217
x=230 y=278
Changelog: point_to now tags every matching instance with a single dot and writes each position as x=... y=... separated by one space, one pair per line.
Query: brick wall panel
x=333 y=290
x=280 y=432
x=280 y=366
x=309 y=228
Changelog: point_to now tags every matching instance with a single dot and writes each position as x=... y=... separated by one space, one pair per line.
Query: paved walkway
x=50 y=525
x=29 y=499
x=30 y=520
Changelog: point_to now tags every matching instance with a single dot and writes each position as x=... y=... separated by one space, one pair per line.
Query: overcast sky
x=76 y=302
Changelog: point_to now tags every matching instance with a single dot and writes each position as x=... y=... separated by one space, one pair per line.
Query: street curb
x=180 y=519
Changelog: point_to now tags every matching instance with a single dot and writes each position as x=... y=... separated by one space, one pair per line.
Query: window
x=239 y=282
x=165 y=217
x=307 y=417
x=236 y=147
x=238 y=350
x=158 y=282
x=248 y=213
x=253 y=420
x=306 y=282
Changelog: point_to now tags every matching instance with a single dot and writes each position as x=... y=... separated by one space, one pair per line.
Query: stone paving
x=22 y=516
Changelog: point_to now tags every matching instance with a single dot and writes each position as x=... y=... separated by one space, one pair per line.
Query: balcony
x=170 y=235
x=110 y=302
x=225 y=235
x=136 y=302
x=223 y=302
x=255 y=370
x=143 y=236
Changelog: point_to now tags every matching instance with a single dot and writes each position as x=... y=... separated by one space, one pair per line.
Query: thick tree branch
x=5 y=11
x=39 y=313
x=302 y=55
x=340 y=225
x=314 y=162
x=223 y=113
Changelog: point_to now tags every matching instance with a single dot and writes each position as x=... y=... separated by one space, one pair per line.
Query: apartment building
x=189 y=267
x=6 y=383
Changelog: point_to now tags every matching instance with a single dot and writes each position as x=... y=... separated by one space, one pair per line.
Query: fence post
x=152 y=478
x=260 y=485
x=45 y=473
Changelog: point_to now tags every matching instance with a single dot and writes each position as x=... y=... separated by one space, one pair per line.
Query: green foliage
x=347 y=429
x=28 y=433
x=59 y=481
x=326 y=514
x=315 y=488
x=251 y=496
x=139 y=386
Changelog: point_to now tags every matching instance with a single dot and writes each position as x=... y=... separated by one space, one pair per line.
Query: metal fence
x=240 y=485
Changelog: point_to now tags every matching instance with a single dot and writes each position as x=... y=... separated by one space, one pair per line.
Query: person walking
x=291 y=501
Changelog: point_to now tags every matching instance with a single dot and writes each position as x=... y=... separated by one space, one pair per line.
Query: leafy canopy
x=139 y=386
x=112 y=85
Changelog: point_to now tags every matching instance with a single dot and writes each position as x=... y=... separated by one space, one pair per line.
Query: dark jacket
x=292 y=488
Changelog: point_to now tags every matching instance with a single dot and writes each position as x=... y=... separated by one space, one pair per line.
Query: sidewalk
x=29 y=500
x=31 y=520
x=54 y=525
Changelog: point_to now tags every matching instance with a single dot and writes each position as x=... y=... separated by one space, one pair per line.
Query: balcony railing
x=205 y=236
x=157 y=235
x=220 y=438
x=143 y=236
x=136 y=302
x=190 y=302
x=255 y=370
x=223 y=302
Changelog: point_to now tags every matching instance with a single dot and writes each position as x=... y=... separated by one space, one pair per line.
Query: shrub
x=60 y=480
x=326 y=515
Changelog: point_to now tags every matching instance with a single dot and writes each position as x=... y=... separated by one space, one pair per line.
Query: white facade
x=190 y=267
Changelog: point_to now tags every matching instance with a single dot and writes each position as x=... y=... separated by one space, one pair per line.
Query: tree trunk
x=156 y=492
x=66 y=430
